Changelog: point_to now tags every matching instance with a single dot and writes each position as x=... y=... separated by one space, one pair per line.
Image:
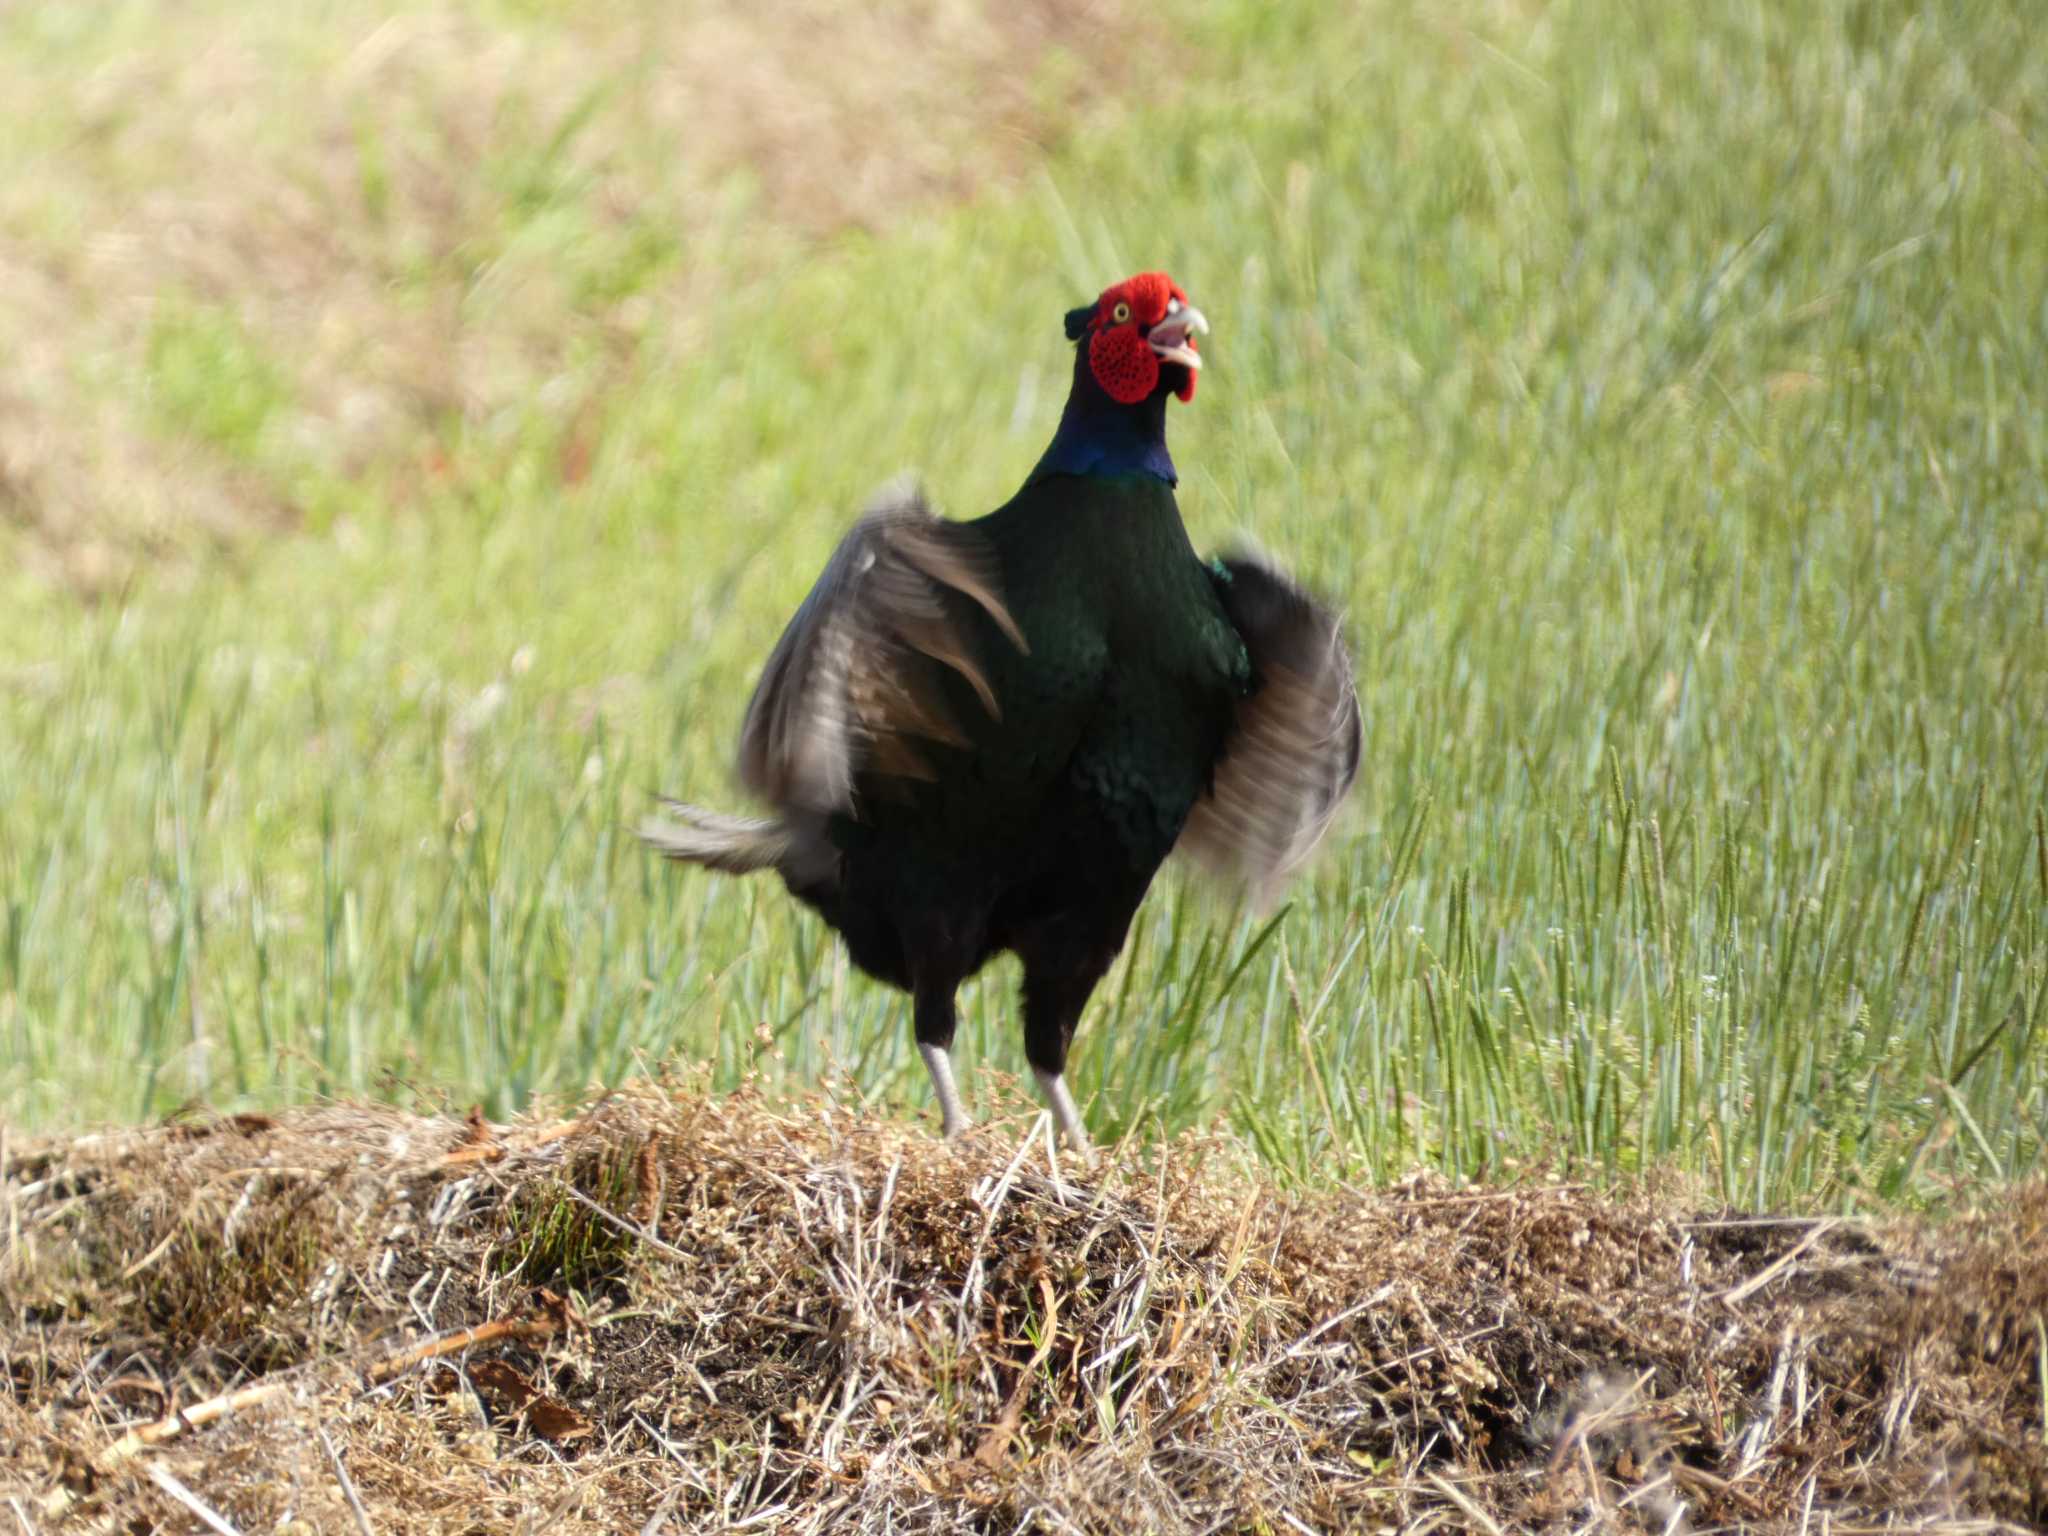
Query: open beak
x=1170 y=338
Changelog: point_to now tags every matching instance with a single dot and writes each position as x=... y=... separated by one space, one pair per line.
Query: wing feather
x=1293 y=751
x=850 y=688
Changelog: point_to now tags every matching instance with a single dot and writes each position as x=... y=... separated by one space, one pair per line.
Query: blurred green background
x=416 y=424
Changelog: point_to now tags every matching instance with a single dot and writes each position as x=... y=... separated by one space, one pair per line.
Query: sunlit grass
x=1663 y=394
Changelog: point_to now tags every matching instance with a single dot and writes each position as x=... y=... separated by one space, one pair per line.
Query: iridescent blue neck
x=1099 y=436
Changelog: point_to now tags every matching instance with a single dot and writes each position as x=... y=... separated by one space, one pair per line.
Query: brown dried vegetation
x=674 y=1312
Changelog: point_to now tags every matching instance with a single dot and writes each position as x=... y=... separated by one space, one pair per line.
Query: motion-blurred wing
x=1293 y=751
x=852 y=685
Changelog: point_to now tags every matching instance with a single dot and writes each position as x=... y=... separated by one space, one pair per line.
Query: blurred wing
x=851 y=687
x=1293 y=750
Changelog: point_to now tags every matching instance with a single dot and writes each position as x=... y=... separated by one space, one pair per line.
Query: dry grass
x=673 y=1312
x=247 y=255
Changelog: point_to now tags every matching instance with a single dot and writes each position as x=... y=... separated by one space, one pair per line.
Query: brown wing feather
x=1293 y=752
x=849 y=688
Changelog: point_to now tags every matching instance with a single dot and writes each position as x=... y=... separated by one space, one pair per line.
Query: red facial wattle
x=1122 y=352
x=1188 y=376
x=1125 y=367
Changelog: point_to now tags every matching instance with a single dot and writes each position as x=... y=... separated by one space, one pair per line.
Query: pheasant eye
x=1121 y=313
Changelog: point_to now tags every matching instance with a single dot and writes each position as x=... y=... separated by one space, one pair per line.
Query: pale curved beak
x=1169 y=338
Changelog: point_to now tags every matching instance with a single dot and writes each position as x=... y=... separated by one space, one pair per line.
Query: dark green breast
x=1122 y=702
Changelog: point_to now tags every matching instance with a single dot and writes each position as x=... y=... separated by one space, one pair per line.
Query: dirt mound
x=673 y=1312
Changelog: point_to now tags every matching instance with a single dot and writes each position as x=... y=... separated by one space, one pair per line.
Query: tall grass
x=1666 y=395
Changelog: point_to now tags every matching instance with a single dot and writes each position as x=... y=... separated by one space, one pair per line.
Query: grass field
x=411 y=441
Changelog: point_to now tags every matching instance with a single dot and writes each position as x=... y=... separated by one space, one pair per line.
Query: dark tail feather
x=738 y=845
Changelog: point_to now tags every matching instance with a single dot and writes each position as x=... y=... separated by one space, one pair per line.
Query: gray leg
x=1064 y=1113
x=939 y=1062
x=932 y=1013
x=1062 y=963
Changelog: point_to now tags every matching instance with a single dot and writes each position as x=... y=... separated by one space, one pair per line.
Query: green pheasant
x=987 y=736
